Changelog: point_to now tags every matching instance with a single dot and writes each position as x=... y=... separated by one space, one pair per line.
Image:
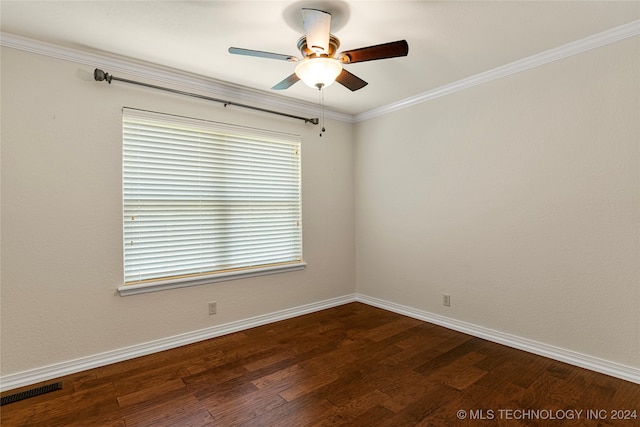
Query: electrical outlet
x=212 y=308
x=446 y=300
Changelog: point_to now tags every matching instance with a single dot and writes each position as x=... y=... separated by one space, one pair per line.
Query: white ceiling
x=448 y=40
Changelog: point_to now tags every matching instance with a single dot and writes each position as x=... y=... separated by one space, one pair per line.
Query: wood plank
x=350 y=365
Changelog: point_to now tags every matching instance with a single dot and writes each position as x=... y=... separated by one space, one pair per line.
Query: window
x=205 y=201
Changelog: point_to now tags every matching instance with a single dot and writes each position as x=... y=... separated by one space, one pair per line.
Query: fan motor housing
x=334 y=44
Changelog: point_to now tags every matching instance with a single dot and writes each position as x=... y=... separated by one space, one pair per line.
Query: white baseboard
x=613 y=369
x=57 y=370
x=21 y=379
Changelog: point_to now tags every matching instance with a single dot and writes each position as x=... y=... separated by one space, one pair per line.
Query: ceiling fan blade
x=317 y=26
x=261 y=54
x=350 y=81
x=381 y=51
x=287 y=83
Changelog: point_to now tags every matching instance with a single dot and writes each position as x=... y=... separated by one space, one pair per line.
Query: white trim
x=176 y=79
x=163 y=285
x=196 y=83
x=613 y=369
x=58 y=370
x=622 y=32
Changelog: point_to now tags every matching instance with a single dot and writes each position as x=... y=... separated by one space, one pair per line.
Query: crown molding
x=167 y=76
x=193 y=82
x=613 y=35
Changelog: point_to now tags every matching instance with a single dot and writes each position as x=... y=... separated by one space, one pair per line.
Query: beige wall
x=518 y=197
x=61 y=219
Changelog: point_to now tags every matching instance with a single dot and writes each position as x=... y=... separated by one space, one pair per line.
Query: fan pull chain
x=321 y=100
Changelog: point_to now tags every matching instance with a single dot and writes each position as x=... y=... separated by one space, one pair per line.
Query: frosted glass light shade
x=318 y=72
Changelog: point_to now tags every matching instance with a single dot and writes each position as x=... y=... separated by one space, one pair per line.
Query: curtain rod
x=100 y=75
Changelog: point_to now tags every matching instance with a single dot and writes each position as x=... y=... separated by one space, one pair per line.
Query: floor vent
x=30 y=393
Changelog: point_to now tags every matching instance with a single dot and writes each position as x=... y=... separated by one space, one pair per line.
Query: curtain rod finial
x=100 y=75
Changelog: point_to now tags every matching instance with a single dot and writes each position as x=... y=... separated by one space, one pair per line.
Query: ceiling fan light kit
x=318 y=72
x=320 y=66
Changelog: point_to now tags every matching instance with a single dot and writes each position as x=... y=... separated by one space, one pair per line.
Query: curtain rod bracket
x=100 y=76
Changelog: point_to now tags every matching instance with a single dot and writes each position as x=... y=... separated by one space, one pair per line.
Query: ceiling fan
x=320 y=66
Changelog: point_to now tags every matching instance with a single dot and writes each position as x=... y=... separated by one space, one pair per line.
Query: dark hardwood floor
x=352 y=365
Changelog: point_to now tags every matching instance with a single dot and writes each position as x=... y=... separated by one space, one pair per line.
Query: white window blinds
x=202 y=197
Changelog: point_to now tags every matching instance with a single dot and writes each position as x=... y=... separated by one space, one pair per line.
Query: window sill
x=143 y=288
